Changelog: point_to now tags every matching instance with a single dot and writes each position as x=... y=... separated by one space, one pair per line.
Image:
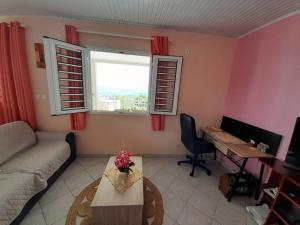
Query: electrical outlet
x=187 y=51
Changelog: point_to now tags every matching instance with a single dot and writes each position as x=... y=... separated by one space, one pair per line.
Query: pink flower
x=123 y=159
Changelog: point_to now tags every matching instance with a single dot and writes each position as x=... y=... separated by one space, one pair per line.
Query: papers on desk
x=271 y=192
x=258 y=213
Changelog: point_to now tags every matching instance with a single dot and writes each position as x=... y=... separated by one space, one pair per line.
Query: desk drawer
x=222 y=148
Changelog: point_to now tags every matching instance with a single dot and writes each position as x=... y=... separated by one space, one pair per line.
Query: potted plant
x=123 y=162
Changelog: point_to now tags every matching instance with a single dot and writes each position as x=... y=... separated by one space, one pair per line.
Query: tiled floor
x=187 y=201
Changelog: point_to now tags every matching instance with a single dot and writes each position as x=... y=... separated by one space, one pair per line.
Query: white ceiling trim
x=270 y=23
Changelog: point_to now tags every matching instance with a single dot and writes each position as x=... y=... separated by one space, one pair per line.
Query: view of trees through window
x=120 y=82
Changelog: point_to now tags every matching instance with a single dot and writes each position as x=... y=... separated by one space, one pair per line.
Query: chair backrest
x=188 y=131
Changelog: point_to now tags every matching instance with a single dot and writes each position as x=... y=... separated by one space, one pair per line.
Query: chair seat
x=204 y=145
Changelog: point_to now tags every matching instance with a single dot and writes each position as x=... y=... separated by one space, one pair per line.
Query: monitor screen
x=293 y=156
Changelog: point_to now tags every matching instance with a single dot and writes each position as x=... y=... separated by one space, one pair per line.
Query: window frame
x=154 y=83
x=54 y=86
x=52 y=75
x=120 y=51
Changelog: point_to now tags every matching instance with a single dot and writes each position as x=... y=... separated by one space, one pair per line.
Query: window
x=80 y=80
x=67 y=74
x=165 y=75
x=119 y=82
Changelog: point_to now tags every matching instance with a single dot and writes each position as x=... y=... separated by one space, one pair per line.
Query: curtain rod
x=116 y=35
x=22 y=25
x=110 y=34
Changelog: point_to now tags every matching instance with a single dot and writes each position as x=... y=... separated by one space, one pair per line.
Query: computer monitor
x=293 y=155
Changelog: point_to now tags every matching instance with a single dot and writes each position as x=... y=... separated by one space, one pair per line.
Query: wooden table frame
x=235 y=146
x=110 y=207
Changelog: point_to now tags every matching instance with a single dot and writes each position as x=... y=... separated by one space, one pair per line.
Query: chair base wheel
x=198 y=163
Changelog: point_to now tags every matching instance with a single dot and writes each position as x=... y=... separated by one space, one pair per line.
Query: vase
x=122 y=181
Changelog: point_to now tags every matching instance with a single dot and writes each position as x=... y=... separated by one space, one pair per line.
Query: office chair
x=195 y=145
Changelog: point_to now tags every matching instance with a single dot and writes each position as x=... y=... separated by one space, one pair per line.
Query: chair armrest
x=201 y=140
x=205 y=145
x=51 y=136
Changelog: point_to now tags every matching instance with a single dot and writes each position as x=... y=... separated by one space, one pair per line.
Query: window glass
x=120 y=82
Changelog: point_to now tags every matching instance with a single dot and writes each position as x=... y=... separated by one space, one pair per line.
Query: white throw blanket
x=15 y=190
x=43 y=158
x=26 y=174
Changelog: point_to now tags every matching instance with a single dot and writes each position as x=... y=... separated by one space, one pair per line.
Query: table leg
x=234 y=186
x=259 y=185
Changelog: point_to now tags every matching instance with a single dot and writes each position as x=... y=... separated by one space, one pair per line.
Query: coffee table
x=110 y=207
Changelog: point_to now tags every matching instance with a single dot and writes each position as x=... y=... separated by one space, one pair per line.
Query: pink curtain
x=16 y=101
x=159 y=46
x=77 y=119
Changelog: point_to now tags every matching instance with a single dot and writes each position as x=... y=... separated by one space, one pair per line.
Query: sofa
x=30 y=162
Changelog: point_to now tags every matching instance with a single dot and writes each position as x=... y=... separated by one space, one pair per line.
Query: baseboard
x=144 y=155
x=204 y=156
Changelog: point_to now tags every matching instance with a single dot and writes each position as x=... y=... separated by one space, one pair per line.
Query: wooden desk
x=110 y=207
x=245 y=151
x=280 y=167
x=218 y=135
x=230 y=145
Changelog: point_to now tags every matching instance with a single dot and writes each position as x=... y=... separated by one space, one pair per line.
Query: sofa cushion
x=16 y=189
x=14 y=137
x=43 y=158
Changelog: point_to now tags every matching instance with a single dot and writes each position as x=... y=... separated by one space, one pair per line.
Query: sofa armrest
x=69 y=137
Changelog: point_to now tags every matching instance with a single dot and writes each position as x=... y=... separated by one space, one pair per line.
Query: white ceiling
x=221 y=17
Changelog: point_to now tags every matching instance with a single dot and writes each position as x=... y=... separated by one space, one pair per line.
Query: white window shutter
x=165 y=82
x=67 y=67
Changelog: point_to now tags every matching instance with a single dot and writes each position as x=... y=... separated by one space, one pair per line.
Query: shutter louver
x=67 y=77
x=166 y=73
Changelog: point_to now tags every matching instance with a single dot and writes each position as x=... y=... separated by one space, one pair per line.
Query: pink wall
x=264 y=88
x=204 y=81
